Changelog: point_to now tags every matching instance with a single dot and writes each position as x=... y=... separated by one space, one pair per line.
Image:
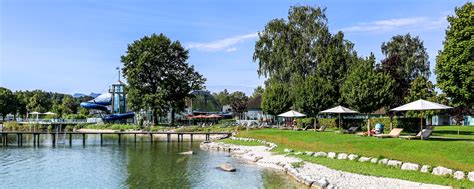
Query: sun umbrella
x=49 y=113
x=421 y=105
x=214 y=116
x=339 y=110
x=292 y=113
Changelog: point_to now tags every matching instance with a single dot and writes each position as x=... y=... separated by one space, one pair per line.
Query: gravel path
x=311 y=174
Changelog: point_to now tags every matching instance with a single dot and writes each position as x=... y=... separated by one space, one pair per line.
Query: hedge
x=408 y=124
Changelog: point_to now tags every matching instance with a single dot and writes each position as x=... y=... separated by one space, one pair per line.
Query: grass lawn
x=446 y=149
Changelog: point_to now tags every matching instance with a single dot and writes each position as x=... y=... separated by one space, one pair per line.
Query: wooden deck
x=36 y=135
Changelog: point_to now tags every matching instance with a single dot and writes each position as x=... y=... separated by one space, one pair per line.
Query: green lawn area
x=452 y=151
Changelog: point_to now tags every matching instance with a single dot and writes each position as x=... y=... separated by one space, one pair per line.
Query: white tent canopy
x=34 y=113
x=421 y=105
x=292 y=113
x=339 y=110
x=49 y=113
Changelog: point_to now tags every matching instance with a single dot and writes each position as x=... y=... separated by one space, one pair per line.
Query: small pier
x=69 y=136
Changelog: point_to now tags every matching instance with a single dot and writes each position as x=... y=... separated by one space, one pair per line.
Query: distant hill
x=94 y=95
x=79 y=95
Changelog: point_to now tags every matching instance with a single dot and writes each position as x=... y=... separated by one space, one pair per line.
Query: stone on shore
x=425 y=169
x=187 y=153
x=458 y=175
x=320 y=154
x=227 y=167
x=342 y=156
x=321 y=183
x=410 y=166
x=352 y=157
x=442 y=171
x=470 y=176
x=309 y=153
x=307 y=180
x=383 y=161
x=286 y=150
x=332 y=155
x=364 y=159
x=394 y=163
x=374 y=160
x=298 y=153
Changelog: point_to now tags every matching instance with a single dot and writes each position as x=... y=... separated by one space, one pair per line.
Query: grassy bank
x=452 y=151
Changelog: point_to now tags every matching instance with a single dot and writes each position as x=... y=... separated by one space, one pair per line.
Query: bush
x=75 y=116
x=11 y=126
x=329 y=122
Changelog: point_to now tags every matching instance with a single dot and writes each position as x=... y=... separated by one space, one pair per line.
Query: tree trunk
x=172 y=117
x=155 y=117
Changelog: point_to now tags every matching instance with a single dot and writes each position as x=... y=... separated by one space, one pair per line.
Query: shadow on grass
x=438 y=138
x=452 y=132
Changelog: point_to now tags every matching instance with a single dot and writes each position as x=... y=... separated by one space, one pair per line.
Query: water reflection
x=129 y=165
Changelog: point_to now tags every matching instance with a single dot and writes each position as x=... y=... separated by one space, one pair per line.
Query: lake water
x=129 y=165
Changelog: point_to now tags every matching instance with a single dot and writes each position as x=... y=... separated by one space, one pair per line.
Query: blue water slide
x=99 y=103
x=114 y=117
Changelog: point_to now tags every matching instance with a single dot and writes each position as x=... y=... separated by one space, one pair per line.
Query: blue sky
x=74 y=46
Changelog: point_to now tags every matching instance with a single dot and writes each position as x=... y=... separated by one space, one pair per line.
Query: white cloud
x=413 y=23
x=226 y=44
x=232 y=49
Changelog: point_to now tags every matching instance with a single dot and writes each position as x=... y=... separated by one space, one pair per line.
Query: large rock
x=442 y=171
x=342 y=156
x=470 y=176
x=410 y=166
x=394 y=163
x=321 y=183
x=383 y=161
x=286 y=150
x=364 y=159
x=374 y=160
x=352 y=157
x=425 y=169
x=332 y=155
x=307 y=180
x=459 y=175
x=320 y=154
x=227 y=167
x=309 y=153
x=187 y=153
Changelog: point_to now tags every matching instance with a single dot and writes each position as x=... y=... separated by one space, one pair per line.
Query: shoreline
x=311 y=174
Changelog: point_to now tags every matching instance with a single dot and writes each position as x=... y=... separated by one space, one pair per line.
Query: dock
x=54 y=136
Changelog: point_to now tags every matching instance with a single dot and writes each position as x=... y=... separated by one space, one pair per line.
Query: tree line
x=310 y=69
x=19 y=103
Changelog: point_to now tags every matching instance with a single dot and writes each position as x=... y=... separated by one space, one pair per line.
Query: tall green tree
x=159 y=76
x=238 y=102
x=68 y=105
x=455 y=62
x=367 y=89
x=39 y=102
x=290 y=51
x=405 y=60
x=223 y=97
x=22 y=100
x=257 y=92
x=420 y=88
x=314 y=95
x=8 y=102
x=276 y=99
